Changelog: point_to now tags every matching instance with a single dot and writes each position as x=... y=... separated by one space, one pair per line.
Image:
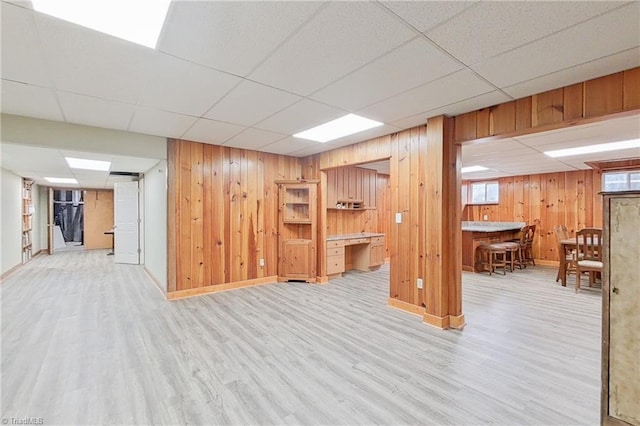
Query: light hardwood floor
x=85 y=341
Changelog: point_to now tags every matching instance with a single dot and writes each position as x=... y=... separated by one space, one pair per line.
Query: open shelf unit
x=27 y=220
x=349 y=205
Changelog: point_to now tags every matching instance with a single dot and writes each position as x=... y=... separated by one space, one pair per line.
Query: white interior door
x=126 y=223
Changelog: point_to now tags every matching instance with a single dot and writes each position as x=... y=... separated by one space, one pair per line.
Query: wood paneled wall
x=98 y=218
x=593 y=99
x=223 y=213
x=564 y=198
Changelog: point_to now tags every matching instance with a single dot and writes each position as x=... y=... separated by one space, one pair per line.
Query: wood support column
x=442 y=264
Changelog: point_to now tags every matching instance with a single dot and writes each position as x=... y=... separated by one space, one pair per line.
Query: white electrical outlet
x=398 y=217
x=262 y=263
x=419 y=283
x=486 y=217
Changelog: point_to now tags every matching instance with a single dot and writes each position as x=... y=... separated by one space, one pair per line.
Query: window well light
x=138 y=21
x=62 y=180
x=81 y=163
x=471 y=169
x=590 y=149
x=340 y=127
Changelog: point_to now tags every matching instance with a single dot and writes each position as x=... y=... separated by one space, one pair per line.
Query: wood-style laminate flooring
x=86 y=341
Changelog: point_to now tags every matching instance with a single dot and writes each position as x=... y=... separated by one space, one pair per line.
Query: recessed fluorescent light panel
x=138 y=21
x=62 y=180
x=338 y=128
x=81 y=163
x=471 y=169
x=591 y=149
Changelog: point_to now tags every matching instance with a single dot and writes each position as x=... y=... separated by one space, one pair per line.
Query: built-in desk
x=475 y=233
x=363 y=251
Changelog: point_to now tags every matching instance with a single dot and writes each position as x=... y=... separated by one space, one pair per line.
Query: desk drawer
x=355 y=241
x=336 y=243
x=336 y=251
x=377 y=240
x=335 y=264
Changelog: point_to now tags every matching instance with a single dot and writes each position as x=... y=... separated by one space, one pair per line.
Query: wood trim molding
x=404 y=306
x=181 y=294
x=457 y=322
x=155 y=280
x=11 y=271
x=442 y=323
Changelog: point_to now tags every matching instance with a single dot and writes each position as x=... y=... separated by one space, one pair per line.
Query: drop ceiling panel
x=353 y=33
x=426 y=15
x=447 y=90
x=481 y=101
x=384 y=77
x=311 y=150
x=503 y=28
x=91 y=63
x=33 y=101
x=291 y=145
x=231 y=36
x=211 y=131
x=95 y=111
x=179 y=86
x=254 y=139
x=30 y=159
x=366 y=135
x=250 y=103
x=160 y=123
x=573 y=46
x=617 y=62
x=21 y=53
x=300 y=116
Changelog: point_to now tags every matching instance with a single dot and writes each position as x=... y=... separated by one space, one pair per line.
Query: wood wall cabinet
x=27 y=220
x=351 y=188
x=297 y=230
x=621 y=309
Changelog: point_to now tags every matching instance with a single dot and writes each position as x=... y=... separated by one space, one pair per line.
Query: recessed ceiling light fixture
x=338 y=128
x=471 y=169
x=138 y=21
x=62 y=180
x=81 y=163
x=590 y=149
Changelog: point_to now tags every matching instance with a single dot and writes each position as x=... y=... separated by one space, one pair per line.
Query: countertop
x=350 y=236
x=492 y=226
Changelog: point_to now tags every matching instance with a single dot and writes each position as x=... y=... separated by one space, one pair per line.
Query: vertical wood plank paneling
x=404 y=228
x=523 y=113
x=482 y=123
x=417 y=148
x=465 y=126
x=573 y=101
x=197 y=213
x=603 y=95
x=631 y=89
x=502 y=118
x=222 y=214
x=547 y=107
x=394 y=277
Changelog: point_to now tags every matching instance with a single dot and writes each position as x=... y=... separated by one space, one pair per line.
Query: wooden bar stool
x=513 y=254
x=492 y=256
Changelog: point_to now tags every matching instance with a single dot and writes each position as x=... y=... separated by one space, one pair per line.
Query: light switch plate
x=398 y=217
x=419 y=283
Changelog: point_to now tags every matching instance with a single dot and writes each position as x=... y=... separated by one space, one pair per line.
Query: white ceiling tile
x=411 y=121
x=231 y=36
x=365 y=135
x=250 y=103
x=28 y=100
x=424 y=15
x=313 y=149
x=383 y=77
x=179 y=86
x=160 y=123
x=21 y=52
x=87 y=62
x=573 y=46
x=610 y=64
x=300 y=116
x=289 y=145
x=445 y=91
x=254 y=139
x=502 y=28
x=481 y=101
x=352 y=34
x=211 y=131
x=95 y=112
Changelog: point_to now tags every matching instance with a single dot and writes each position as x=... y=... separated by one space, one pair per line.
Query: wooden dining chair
x=589 y=243
x=526 y=245
x=562 y=233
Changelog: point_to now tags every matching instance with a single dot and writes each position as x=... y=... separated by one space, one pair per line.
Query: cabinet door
x=377 y=254
x=296 y=259
x=624 y=310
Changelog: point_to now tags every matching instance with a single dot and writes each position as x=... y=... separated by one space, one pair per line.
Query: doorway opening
x=68 y=220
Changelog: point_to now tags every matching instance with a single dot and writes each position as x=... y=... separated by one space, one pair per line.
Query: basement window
x=621 y=181
x=484 y=193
